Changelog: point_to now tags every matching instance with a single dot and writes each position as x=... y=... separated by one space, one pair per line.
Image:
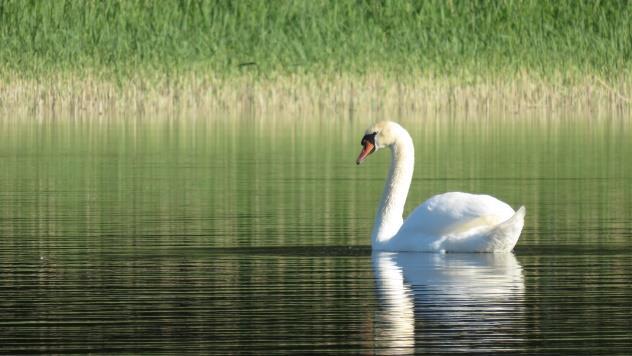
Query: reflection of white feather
x=398 y=315
x=479 y=296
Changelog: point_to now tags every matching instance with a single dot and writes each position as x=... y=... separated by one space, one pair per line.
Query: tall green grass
x=465 y=39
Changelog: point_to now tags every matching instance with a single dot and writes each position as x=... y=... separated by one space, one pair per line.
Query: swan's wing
x=455 y=213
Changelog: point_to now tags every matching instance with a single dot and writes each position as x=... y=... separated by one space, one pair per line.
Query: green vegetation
x=313 y=56
x=437 y=37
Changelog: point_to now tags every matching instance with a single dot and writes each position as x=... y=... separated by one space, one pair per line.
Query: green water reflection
x=253 y=235
x=258 y=183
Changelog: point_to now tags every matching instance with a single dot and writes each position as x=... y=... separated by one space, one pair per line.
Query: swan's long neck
x=391 y=209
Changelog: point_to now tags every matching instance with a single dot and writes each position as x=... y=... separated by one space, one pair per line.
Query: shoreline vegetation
x=371 y=96
x=314 y=58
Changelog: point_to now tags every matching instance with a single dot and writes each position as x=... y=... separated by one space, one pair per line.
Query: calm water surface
x=252 y=236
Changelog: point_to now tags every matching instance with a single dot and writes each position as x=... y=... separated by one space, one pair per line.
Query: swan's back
x=455 y=211
x=460 y=222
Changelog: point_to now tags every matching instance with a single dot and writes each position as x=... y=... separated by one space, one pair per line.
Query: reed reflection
x=448 y=302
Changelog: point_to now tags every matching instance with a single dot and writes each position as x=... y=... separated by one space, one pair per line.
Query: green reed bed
x=153 y=53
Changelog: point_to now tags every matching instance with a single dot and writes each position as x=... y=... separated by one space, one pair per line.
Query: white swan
x=449 y=222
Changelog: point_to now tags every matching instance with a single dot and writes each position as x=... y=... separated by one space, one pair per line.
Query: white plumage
x=449 y=222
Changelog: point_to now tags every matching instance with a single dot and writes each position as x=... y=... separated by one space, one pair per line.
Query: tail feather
x=506 y=234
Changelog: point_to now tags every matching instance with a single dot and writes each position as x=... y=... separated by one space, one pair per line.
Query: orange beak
x=367 y=149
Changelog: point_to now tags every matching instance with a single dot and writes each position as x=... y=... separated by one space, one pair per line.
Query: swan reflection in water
x=448 y=302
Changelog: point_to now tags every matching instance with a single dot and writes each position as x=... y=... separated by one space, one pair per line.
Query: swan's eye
x=368 y=137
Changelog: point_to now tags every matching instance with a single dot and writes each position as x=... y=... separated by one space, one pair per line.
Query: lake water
x=253 y=236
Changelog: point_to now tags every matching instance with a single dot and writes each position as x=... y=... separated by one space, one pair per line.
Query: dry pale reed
x=373 y=96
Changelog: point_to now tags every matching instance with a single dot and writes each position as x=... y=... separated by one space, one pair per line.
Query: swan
x=448 y=222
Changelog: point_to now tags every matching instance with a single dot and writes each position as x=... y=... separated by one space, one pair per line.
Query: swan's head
x=379 y=135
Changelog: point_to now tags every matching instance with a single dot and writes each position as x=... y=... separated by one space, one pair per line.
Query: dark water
x=212 y=236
